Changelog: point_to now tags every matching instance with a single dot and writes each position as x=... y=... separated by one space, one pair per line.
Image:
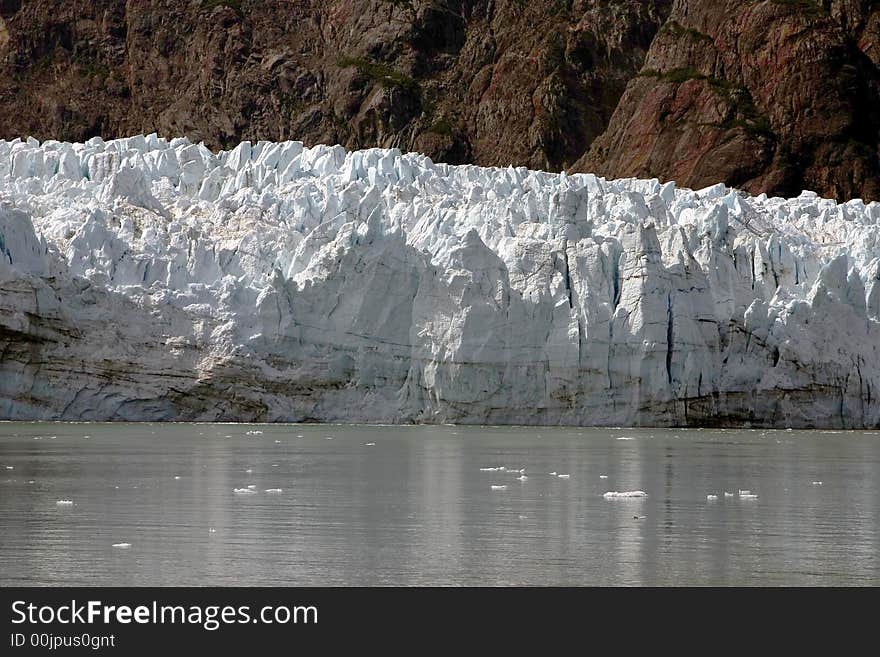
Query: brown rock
x=767 y=95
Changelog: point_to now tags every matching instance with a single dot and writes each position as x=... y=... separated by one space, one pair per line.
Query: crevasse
x=147 y=279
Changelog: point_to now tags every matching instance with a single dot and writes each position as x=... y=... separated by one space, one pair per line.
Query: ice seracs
x=274 y=282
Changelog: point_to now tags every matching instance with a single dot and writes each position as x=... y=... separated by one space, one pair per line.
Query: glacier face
x=147 y=279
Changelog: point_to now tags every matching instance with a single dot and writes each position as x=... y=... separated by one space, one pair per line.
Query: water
x=415 y=509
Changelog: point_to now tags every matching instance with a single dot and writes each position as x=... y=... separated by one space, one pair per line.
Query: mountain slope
x=769 y=95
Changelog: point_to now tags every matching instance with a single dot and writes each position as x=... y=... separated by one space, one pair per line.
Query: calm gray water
x=415 y=508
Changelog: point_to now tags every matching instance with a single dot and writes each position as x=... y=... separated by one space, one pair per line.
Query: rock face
x=769 y=96
x=142 y=279
x=491 y=81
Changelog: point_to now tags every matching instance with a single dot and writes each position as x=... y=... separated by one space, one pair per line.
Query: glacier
x=148 y=279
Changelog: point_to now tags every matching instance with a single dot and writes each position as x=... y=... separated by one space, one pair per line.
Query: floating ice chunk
x=176 y=477
x=64 y=502
x=744 y=492
x=488 y=469
x=328 y=437
x=817 y=483
x=249 y=471
x=711 y=497
x=625 y=438
x=603 y=476
x=502 y=487
x=553 y=474
x=564 y=476
x=212 y=531
x=243 y=491
x=522 y=478
x=748 y=496
x=277 y=442
x=369 y=444
x=274 y=490
x=726 y=494
x=122 y=545
x=252 y=486
x=614 y=495
x=254 y=432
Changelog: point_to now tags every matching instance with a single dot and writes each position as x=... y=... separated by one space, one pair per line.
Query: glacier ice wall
x=147 y=279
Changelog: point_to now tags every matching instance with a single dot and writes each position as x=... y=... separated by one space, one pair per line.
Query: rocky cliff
x=142 y=279
x=768 y=95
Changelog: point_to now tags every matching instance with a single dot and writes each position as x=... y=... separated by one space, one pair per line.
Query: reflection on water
x=415 y=508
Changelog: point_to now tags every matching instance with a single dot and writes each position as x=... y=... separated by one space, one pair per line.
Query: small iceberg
x=625 y=438
x=817 y=483
x=488 y=469
x=254 y=432
x=9 y=467
x=748 y=496
x=744 y=492
x=64 y=502
x=498 y=487
x=522 y=477
x=243 y=491
x=552 y=474
x=564 y=476
x=176 y=477
x=711 y=497
x=726 y=494
x=616 y=495
x=369 y=444
x=274 y=490
x=252 y=486
x=122 y=545
x=603 y=476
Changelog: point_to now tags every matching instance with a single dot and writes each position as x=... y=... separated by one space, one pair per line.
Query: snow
x=275 y=282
